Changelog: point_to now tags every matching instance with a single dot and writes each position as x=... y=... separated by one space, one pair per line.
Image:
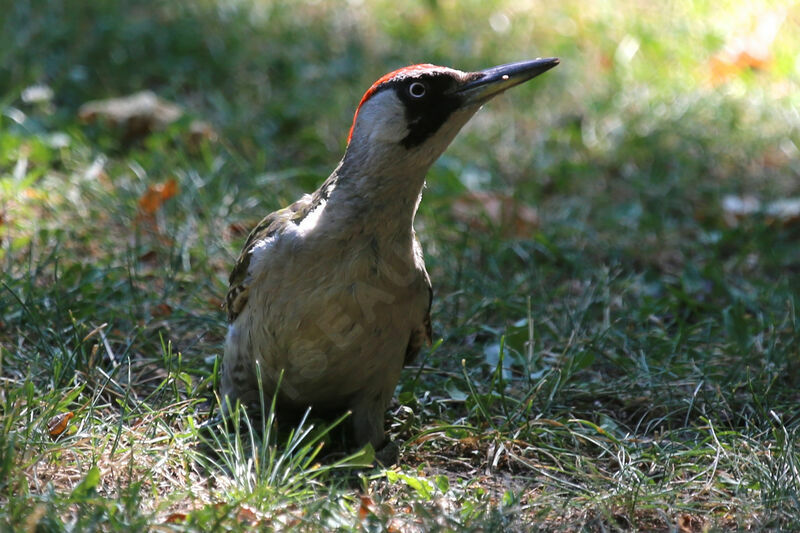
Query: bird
x=329 y=298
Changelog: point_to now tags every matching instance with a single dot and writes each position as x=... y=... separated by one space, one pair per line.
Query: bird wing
x=270 y=225
x=422 y=334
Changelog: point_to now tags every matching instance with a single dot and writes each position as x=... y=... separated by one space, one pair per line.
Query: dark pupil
x=416 y=89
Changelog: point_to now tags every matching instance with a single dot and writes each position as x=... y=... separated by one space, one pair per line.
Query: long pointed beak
x=495 y=80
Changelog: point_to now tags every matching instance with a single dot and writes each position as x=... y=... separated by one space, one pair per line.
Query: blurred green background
x=651 y=284
x=282 y=78
x=627 y=151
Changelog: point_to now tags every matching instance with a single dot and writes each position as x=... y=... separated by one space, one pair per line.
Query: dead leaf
x=136 y=115
x=482 y=211
x=162 y=310
x=469 y=444
x=175 y=518
x=156 y=195
x=747 y=48
x=150 y=257
x=690 y=524
x=59 y=423
x=783 y=212
x=215 y=302
x=248 y=514
x=366 y=508
x=736 y=208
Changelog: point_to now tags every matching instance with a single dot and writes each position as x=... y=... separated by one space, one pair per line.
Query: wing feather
x=271 y=225
x=423 y=334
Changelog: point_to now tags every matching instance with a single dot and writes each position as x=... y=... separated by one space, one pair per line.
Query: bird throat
x=383 y=205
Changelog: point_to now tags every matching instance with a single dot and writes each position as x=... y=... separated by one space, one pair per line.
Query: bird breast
x=334 y=315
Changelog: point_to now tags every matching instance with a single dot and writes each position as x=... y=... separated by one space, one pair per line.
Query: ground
x=613 y=249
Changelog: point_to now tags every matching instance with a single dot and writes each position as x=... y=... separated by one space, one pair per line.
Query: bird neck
x=378 y=199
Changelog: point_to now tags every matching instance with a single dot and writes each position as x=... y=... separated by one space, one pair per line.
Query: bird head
x=408 y=117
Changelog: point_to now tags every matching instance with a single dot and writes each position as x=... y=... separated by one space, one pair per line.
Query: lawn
x=614 y=248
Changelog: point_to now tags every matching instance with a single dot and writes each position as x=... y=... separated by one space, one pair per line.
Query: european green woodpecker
x=331 y=292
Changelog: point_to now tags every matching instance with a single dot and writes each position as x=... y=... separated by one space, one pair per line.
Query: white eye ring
x=417 y=89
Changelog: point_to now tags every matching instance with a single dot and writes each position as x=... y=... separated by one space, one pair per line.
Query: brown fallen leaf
x=156 y=195
x=736 y=208
x=786 y=211
x=248 y=514
x=162 y=310
x=59 y=423
x=366 y=508
x=690 y=524
x=136 y=115
x=214 y=302
x=175 y=518
x=469 y=444
x=783 y=212
x=747 y=48
x=482 y=211
x=150 y=257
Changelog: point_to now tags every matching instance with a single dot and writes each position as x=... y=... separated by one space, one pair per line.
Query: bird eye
x=417 y=89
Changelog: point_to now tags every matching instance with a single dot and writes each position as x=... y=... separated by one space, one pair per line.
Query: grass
x=629 y=362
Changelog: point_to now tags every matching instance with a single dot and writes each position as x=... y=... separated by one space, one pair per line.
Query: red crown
x=401 y=72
